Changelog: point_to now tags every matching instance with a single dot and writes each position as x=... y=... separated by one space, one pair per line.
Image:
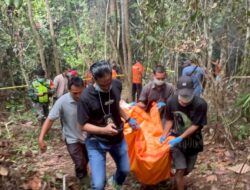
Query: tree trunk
x=128 y=45
x=124 y=49
x=38 y=39
x=246 y=48
x=176 y=67
x=53 y=39
x=112 y=40
x=74 y=25
x=118 y=26
x=20 y=57
x=113 y=24
x=105 y=33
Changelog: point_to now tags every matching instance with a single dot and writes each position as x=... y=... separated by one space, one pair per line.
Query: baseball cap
x=73 y=73
x=185 y=86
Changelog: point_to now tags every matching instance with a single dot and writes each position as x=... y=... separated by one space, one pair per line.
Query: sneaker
x=112 y=183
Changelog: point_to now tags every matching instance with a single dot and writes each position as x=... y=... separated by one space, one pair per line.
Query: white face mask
x=98 y=88
x=186 y=100
x=40 y=79
x=159 y=82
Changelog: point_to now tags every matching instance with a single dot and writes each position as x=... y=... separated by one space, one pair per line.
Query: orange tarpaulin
x=150 y=160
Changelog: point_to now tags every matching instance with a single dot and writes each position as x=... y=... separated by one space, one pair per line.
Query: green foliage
x=244 y=104
x=15 y=3
x=242 y=131
x=14 y=106
x=9 y=2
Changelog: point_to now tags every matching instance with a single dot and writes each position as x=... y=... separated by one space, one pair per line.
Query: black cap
x=185 y=86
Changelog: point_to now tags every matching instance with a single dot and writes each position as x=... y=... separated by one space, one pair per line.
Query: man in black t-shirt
x=99 y=114
x=186 y=115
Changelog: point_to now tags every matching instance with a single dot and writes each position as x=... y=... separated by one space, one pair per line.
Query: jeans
x=78 y=154
x=97 y=158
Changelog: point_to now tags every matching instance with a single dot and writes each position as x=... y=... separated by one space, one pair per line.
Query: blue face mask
x=98 y=88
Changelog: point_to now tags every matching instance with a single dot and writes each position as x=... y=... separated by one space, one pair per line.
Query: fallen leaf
x=211 y=179
x=59 y=175
x=213 y=188
x=25 y=186
x=214 y=5
x=3 y=171
x=238 y=167
x=221 y=172
x=35 y=183
x=29 y=123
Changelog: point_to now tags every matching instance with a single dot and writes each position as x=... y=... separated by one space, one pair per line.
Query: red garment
x=114 y=74
x=137 y=73
x=73 y=73
x=88 y=79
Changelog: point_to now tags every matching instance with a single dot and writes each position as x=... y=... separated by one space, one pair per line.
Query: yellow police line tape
x=13 y=87
x=120 y=75
x=24 y=86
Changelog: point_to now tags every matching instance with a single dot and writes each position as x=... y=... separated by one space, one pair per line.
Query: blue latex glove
x=175 y=141
x=131 y=104
x=133 y=123
x=160 y=104
x=163 y=138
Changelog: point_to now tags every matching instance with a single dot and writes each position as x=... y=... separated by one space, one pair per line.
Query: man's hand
x=131 y=104
x=39 y=94
x=161 y=104
x=175 y=141
x=133 y=123
x=42 y=146
x=110 y=130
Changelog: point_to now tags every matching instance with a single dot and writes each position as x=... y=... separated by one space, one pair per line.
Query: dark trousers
x=42 y=111
x=136 y=89
x=78 y=153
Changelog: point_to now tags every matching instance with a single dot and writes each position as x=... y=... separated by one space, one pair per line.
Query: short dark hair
x=159 y=69
x=100 y=69
x=40 y=72
x=76 y=81
x=65 y=67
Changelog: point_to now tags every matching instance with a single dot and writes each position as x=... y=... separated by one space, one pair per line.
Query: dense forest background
x=49 y=34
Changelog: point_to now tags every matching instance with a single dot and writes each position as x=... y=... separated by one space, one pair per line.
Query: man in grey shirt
x=66 y=109
x=157 y=91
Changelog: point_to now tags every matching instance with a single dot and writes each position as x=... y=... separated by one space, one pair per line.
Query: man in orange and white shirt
x=137 y=73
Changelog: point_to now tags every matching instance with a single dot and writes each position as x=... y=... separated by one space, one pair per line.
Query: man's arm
x=56 y=83
x=189 y=131
x=124 y=115
x=143 y=97
x=53 y=115
x=93 y=129
x=168 y=126
x=141 y=105
x=45 y=128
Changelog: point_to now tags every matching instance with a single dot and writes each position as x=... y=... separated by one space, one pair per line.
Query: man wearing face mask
x=99 y=114
x=157 y=91
x=186 y=115
x=39 y=92
x=65 y=108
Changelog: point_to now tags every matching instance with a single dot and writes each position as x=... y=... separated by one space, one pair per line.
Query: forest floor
x=23 y=167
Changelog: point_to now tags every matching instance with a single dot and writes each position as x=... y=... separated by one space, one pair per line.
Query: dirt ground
x=23 y=167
